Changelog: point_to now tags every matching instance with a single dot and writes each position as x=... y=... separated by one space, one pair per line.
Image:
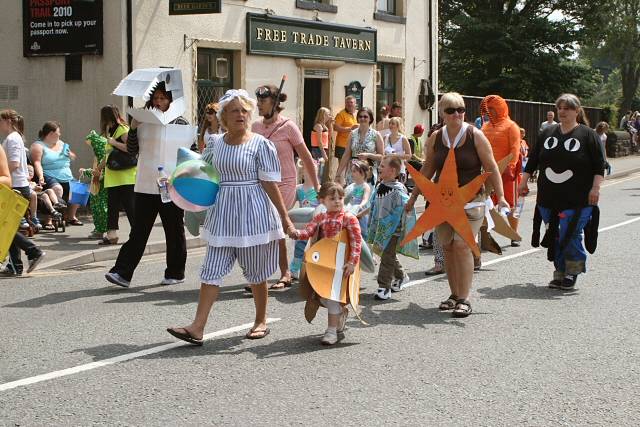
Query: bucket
x=79 y=193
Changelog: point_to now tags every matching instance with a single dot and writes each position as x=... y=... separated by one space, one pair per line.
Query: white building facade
x=379 y=50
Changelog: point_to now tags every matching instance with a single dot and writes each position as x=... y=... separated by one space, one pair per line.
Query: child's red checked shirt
x=331 y=224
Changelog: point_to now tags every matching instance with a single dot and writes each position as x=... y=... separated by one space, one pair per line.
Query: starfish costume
x=446 y=202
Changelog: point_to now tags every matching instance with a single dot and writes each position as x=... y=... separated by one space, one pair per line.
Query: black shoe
x=555 y=284
x=515 y=243
x=33 y=262
x=9 y=272
x=569 y=282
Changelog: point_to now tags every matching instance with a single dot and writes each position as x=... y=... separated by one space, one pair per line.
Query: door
x=215 y=77
x=312 y=102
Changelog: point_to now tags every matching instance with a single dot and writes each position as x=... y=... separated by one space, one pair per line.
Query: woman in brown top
x=473 y=154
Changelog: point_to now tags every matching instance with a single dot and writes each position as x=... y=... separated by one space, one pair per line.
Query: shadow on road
x=523 y=291
x=267 y=348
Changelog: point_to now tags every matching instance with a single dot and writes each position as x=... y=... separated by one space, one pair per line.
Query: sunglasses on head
x=452 y=110
x=263 y=92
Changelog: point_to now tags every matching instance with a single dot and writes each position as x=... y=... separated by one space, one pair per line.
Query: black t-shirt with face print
x=567 y=164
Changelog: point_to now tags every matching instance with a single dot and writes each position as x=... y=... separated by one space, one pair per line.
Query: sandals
x=107 y=241
x=448 y=304
x=463 y=308
x=74 y=221
x=185 y=336
x=281 y=285
x=254 y=334
x=433 y=271
x=49 y=227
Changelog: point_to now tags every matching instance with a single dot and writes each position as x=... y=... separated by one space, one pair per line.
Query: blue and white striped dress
x=243 y=214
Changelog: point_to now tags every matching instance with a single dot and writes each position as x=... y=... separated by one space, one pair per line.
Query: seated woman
x=51 y=159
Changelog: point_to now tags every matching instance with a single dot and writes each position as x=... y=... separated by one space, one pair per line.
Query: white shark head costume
x=158 y=140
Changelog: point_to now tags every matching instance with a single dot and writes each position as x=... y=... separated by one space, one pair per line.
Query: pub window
x=390 y=11
x=72 y=67
x=386 y=85
x=214 y=77
x=319 y=5
x=387 y=6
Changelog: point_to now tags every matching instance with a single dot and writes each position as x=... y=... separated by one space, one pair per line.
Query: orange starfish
x=446 y=202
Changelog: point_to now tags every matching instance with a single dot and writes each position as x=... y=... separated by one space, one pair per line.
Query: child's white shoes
x=330 y=337
x=399 y=284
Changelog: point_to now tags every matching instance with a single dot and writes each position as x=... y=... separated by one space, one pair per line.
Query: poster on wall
x=62 y=27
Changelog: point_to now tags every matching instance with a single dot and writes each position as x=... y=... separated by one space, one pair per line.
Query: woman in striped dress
x=250 y=171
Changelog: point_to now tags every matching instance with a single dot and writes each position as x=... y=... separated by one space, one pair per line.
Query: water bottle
x=163 y=182
x=519 y=207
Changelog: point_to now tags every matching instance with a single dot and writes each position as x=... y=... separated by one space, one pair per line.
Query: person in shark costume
x=571 y=170
x=157 y=131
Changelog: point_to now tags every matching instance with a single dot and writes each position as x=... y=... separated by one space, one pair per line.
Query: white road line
x=161 y=348
x=122 y=358
x=516 y=255
x=621 y=180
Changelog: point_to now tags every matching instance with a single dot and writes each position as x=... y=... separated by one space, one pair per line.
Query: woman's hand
x=594 y=196
x=523 y=187
x=348 y=270
x=363 y=156
x=503 y=204
x=410 y=204
x=111 y=141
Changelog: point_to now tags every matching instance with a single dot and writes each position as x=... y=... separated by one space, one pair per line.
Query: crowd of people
x=266 y=168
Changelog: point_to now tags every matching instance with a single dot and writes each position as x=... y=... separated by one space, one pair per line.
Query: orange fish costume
x=504 y=136
x=321 y=275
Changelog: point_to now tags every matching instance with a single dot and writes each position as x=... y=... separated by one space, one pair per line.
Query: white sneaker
x=383 y=294
x=343 y=319
x=167 y=281
x=398 y=284
x=330 y=337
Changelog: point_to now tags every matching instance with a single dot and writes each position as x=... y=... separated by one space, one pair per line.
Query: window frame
x=319 y=5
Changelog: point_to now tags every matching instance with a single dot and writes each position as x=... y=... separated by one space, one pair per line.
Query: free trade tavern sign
x=300 y=38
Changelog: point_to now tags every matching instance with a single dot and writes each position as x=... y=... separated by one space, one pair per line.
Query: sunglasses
x=263 y=92
x=452 y=110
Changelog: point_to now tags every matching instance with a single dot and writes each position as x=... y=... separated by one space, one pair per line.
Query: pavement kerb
x=111 y=253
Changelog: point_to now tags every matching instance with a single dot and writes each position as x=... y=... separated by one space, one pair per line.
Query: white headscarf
x=232 y=94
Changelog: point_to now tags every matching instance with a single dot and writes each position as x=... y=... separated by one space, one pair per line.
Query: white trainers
x=398 y=284
x=168 y=281
x=383 y=294
x=343 y=319
x=330 y=337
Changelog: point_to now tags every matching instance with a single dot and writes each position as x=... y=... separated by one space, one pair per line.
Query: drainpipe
x=129 y=44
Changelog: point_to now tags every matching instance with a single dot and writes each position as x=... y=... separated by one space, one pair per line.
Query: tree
x=613 y=30
x=512 y=48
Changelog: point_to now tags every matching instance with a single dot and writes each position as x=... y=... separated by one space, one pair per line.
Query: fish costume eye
x=551 y=143
x=315 y=256
x=572 y=145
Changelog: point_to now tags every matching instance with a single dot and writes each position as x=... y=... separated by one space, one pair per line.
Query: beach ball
x=194 y=184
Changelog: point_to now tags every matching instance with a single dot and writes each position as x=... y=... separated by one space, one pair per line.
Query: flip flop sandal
x=448 y=304
x=463 y=308
x=185 y=336
x=257 y=335
x=285 y=284
x=49 y=227
x=107 y=241
x=434 y=271
x=74 y=221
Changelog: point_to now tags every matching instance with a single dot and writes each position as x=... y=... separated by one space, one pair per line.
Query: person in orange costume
x=504 y=136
